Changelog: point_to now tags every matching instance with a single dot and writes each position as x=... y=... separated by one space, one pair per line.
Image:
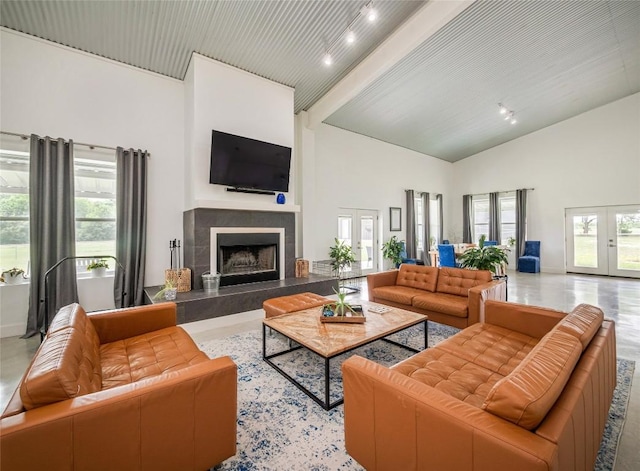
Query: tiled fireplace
x=249 y=246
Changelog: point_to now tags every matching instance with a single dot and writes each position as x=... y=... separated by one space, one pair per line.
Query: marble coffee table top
x=330 y=339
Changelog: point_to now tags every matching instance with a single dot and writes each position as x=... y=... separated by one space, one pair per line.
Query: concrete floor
x=619 y=298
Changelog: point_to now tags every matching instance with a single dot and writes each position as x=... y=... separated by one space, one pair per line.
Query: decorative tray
x=351 y=317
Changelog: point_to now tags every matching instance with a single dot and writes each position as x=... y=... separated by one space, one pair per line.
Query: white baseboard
x=12 y=330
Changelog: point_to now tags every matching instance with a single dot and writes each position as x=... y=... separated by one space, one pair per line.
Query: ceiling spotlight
x=372 y=14
x=514 y=120
x=507 y=117
x=503 y=109
x=351 y=37
x=328 y=60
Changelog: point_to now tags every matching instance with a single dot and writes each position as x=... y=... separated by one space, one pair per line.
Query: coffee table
x=328 y=340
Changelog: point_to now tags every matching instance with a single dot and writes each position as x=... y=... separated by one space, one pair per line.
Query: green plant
x=168 y=284
x=392 y=250
x=13 y=272
x=483 y=237
x=511 y=241
x=98 y=264
x=341 y=255
x=340 y=307
x=483 y=258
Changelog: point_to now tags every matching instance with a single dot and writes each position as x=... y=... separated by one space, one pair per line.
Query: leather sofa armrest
x=119 y=324
x=384 y=278
x=392 y=421
x=478 y=295
x=534 y=321
x=184 y=419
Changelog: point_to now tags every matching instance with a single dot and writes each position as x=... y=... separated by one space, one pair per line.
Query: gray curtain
x=426 y=233
x=440 y=219
x=131 y=225
x=494 y=217
x=466 y=219
x=51 y=228
x=521 y=221
x=410 y=242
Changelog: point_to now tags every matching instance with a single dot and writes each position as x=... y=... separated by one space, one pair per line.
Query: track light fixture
x=508 y=114
x=368 y=12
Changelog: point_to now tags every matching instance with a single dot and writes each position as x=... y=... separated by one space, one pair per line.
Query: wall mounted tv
x=248 y=164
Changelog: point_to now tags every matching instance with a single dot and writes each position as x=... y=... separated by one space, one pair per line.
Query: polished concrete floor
x=619 y=298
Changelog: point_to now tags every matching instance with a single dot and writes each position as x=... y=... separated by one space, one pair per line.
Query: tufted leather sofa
x=452 y=296
x=122 y=389
x=529 y=389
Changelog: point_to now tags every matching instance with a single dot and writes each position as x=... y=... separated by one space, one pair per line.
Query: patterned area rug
x=280 y=428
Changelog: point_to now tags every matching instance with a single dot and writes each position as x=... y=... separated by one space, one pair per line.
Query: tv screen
x=241 y=162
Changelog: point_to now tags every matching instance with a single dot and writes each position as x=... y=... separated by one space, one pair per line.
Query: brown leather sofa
x=452 y=296
x=529 y=389
x=123 y=389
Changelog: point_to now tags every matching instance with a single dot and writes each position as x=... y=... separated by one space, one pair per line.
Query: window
x=95 y=185
x=507 y=217
x=14 y=203
x=95 y=202
x=434 y=223
x=480 y=205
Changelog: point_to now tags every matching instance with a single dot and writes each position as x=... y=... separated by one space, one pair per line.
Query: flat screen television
x=245 y=163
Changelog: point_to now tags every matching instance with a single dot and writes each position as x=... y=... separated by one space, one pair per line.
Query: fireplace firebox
x=247 y=257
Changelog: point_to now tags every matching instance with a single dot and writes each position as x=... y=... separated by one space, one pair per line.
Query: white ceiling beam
x=411 y=34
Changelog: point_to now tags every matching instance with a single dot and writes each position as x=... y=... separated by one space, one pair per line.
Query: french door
x=359 y=229
x=603 y=240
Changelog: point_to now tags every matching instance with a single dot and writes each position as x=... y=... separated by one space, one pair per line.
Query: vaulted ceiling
x=544 y=60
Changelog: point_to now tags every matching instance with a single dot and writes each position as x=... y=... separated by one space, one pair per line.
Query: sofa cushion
x=459 y=281
x=396 y=294
x=492 y=347
x=65 y=366
x=443 y=303
x=417 y=276
x=526 y=395
x=151 y=354
x=450 y=374
x=583 y=323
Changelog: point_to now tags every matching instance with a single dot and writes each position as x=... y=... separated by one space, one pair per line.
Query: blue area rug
x=280 y=428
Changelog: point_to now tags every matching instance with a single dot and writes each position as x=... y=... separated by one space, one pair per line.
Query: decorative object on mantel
x=302 y=268
x=210 y=282
x=280 y=199
x=168 y=292
x=395 y=219
x=177 y=276
x=13 y=276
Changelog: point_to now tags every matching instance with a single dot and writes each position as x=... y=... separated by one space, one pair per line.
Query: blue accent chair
x=447 y=255
x=530 y=261
x=490 y=242
x=405 y=259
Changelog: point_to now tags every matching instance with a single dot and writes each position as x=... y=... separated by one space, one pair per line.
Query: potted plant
x=169 y=291
x=98 y=268
x=339 y=308
x=13 y=276
x=392 y=250
x=342 y=257
x=489 y=258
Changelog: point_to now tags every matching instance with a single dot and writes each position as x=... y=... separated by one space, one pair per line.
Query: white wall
x=353 y=171
x=230 y=100
x=590 y=160
x=52 y=90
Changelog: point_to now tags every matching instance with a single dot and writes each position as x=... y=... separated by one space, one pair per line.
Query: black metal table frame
x=326 y=404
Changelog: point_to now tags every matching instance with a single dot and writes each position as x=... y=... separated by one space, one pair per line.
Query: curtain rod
x=91 y=146
x=502 y=191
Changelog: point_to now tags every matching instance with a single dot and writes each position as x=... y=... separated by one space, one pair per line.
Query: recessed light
x=328 y=60
x=351 y=37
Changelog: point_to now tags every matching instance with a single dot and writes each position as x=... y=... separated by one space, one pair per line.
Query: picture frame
x=395 y=219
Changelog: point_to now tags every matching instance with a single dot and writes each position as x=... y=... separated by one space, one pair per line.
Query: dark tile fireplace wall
x=197 y=225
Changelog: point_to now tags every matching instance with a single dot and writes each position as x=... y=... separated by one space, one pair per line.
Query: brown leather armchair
x=123 y=389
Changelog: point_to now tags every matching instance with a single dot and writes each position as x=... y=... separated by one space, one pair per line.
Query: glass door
x=358 y=228
x=603 y=240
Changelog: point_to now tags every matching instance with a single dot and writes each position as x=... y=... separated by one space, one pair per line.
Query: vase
x=98 y=272
x=280 y=199
x=170 y=294
x=12 y=280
